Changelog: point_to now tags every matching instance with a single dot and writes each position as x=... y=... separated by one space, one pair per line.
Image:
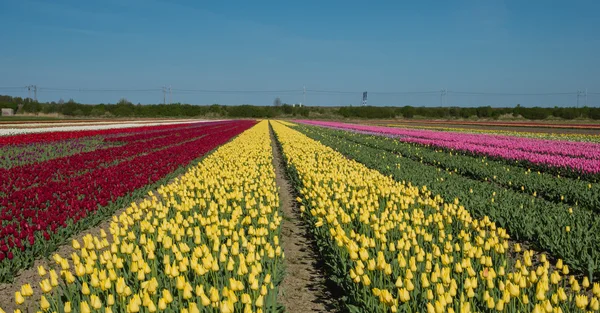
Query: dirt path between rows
x=304 y=287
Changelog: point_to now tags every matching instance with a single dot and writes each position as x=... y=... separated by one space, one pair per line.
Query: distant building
x=8 y=112
x=297 y=105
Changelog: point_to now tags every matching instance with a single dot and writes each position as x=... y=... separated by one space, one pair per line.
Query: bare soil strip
x=305 y=286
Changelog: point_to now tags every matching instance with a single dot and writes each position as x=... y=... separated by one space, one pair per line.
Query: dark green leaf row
x=556 y=189
x=542 y=223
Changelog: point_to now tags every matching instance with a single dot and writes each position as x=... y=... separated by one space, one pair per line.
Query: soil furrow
x=305 y=286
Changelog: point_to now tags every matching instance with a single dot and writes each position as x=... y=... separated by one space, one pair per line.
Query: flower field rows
x=207 y=241
x=67 y=189
x=557 y=189
x=33 y=128
x=567 y=233
x=395 y=247
x=401 y=220
x=580 y=157
x=52 y=134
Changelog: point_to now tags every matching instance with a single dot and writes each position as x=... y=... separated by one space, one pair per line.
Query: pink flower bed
x=580 y=156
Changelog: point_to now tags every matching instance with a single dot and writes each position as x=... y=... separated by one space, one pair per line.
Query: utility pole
x=170 y=95
x=443 y=97
x=164 y=90
x=304 y=96
x=35 y=92
x=581 y=93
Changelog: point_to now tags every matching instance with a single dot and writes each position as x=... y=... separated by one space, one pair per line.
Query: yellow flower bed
x=287 y=123
x=395 y=247
x=206 y=242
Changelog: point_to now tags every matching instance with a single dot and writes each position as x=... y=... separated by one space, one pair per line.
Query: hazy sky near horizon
x=383 y=47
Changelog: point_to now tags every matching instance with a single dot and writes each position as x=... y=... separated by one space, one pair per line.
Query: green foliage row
x=526 y=218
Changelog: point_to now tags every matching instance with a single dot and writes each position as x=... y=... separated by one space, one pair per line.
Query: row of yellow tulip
x=287 y=123
x=395 y=247
x=207 y=242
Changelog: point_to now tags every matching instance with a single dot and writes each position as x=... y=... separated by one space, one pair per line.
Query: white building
x=8 y=112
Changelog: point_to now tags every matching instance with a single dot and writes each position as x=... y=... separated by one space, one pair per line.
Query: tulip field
x=402 y=219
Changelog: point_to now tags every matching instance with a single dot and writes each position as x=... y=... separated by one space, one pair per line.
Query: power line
x=509 y=94
x=21 y=88
x=98 y=90
x=237 y=91
x=333 y=91
x=303 y=91
x=372 y=92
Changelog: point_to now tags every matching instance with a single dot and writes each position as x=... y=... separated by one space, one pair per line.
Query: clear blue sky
x=533 y=46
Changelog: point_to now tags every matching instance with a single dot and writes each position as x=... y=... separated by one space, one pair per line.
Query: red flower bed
x=58 y=135
x=64 y=168
x=41 y=211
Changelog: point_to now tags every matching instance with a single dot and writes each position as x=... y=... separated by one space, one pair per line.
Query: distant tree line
x=534 y=113
x=124 y=108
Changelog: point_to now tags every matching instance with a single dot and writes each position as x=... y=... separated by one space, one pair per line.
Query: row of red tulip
x=61 y=169
x=59 y=136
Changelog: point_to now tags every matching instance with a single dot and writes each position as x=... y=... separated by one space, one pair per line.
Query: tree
x=287 y=109
x=277 y=102
x=408 y=111
x=123 y=101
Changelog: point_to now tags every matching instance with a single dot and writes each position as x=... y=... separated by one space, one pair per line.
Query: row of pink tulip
x=579 y=156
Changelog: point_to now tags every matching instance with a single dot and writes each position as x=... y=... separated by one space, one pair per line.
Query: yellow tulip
x=45 y=285
x=85 y=289
x=581 y=301
x=167 y=296
x=430 y=308
x=84 y=307
x=134 y=304
x=162 y=304
x=95 y=302
x=586 y=282
x=26 y=290
x=187 y=291
x=19 y=298
x=259 y=301
x=41 y=271
x=594 y=304
x=44 y=304
x=205 y=300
